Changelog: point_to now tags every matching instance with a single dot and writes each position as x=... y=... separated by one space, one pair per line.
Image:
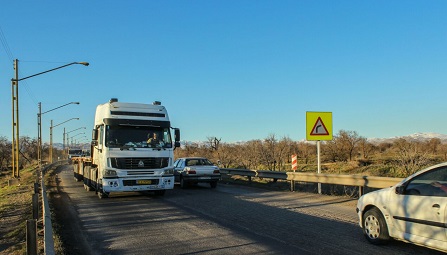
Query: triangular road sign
x=319 y=128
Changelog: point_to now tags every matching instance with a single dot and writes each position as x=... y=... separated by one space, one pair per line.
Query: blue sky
x=237 y=70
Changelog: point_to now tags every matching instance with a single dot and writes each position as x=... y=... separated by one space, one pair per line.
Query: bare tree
x=5 y=152
x=214 y=143
x=346 y=141
x=268 y=151
x=330 y=150
x=306 y=151
x=283 y=152
x=410 y=156
x=433 y=144
x=226 y=155
x=365 y=147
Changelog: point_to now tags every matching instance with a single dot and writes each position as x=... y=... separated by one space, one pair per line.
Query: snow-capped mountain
x=421 y=137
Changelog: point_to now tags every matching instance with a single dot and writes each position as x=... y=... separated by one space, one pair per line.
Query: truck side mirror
x=94 y=137
x=177 y=137
x=95 y=134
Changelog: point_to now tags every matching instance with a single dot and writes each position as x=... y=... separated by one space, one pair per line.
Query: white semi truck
x=131 y=150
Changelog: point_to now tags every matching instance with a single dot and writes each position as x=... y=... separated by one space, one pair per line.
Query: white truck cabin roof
x=130 y=111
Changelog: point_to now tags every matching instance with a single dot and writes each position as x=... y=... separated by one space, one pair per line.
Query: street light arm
x=77 y=135
x=60 y=107
x=64 y=122
x=75 y=130
x=74 y=63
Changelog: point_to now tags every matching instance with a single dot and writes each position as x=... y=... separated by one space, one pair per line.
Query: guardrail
x=46 y=213
x=348 y=180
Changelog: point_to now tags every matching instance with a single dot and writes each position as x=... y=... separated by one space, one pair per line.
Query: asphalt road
x=227 y=220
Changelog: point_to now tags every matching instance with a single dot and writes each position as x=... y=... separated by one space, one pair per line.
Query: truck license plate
x=144 y=182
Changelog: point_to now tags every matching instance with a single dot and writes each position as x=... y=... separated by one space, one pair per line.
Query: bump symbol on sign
x=319 y=128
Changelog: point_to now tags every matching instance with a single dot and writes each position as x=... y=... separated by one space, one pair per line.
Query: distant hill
x=420 y=137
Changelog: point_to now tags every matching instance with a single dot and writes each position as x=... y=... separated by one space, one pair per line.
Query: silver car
x=414 y=210
x=194 y=170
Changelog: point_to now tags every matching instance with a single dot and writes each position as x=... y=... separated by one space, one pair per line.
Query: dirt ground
x=65 y=222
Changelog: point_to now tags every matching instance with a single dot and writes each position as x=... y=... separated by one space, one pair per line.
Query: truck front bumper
x=137 y=184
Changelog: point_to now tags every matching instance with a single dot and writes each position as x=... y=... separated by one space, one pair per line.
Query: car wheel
x=213 y=185
x=183 y=183
x=374 y=227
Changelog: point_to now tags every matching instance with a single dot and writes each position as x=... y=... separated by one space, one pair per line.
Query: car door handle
x=436 y=206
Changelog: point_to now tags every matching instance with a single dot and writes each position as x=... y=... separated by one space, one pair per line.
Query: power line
x=5 y=45
x=11 y=59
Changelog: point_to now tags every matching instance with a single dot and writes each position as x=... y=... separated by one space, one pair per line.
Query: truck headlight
x=109 y=173
x=169 y=171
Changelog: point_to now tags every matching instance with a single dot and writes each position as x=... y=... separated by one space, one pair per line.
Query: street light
x=75 y=136
x=39 y=130
x=51 y=136
x=66 y=140
x=15 y=111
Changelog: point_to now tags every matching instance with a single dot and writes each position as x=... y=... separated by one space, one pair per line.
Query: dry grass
x=15 y=209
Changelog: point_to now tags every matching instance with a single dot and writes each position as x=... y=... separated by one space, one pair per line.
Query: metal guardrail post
x=35 y=206
x=31 y=237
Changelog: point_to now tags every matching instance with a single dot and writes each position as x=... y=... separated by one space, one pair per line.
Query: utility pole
x=15 y=121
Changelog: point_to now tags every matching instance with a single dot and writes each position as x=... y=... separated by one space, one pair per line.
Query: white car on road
x=194 y=170
x=414 y=210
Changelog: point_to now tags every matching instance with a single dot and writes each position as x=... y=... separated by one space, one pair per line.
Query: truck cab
x=132 y=149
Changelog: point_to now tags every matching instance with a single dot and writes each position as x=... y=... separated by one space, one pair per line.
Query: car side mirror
x=400 y=189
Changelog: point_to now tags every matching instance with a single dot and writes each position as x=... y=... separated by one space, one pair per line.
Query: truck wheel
x=213 y=184
x=87 y=185
x=102 y=194
x=160 y=192
x=374 y=227
x=183 y=183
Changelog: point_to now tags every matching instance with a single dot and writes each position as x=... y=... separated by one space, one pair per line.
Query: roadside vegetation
x=15 y=209
x=347 y=153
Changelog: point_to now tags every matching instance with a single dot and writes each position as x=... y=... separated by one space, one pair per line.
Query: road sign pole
x=319 y=164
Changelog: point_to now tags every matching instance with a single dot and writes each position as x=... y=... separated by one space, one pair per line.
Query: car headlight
x=109 y=173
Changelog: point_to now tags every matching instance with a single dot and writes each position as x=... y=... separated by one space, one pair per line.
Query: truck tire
x=160 y=192
x=87 y=186
x=101 y=193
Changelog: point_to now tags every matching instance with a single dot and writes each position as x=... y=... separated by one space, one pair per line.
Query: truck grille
x=139 y=163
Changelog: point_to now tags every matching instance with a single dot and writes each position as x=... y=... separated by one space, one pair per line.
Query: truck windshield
x=137 y=137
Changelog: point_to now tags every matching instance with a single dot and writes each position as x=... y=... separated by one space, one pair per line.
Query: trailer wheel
x=87 y=178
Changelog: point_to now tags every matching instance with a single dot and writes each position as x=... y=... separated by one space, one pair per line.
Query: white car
x=194 y=170
x=414 y=210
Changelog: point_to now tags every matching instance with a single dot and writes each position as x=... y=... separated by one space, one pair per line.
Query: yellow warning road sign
x=318 y=126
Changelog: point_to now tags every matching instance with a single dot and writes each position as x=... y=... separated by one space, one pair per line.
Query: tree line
x=348 y=151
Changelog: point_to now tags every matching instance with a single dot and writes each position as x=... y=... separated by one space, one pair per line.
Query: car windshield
x=137 y=137
x=198 y=162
